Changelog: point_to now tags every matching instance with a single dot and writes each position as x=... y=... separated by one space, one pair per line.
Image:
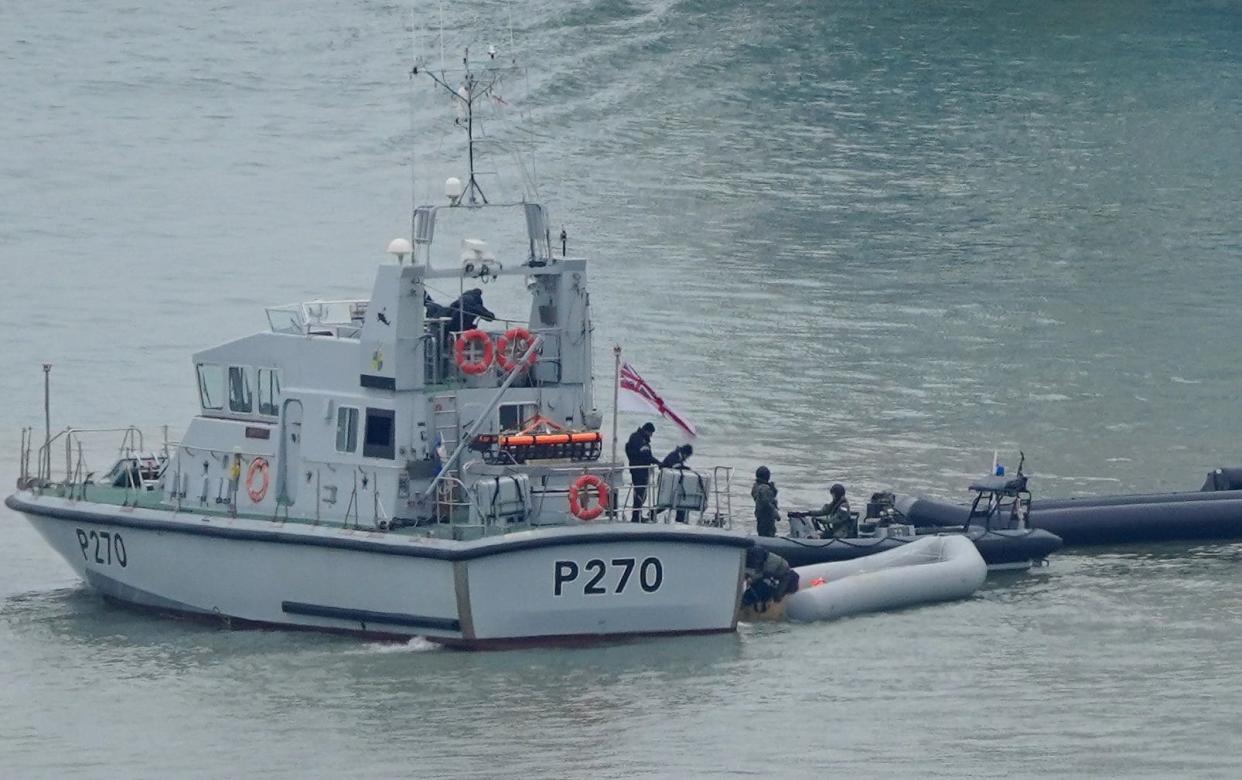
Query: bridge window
x=516 y=416
x=269 y=391
x=211 y=386
x=240 y=398
x=380 y=440
x=346 y=429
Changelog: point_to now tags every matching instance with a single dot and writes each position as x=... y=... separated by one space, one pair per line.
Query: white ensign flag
x=637 y=396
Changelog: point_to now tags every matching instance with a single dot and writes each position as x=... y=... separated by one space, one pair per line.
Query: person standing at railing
x=462 y=315
x=467 y=310
x=638 y=453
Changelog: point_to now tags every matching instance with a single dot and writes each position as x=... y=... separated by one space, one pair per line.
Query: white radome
x=453 y=188
x=400 y=247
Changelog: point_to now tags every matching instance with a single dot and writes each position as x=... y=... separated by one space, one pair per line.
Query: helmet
x=837 y=490
x=649 y=427
x=755 y=556
x=762 y=474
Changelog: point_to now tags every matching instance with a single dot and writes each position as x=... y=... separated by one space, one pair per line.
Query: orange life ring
x=258 y=467
x=473 y=366
x=512 y=346
x=576 y=505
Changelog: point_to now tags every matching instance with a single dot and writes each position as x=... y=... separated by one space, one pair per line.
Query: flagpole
x=616 y=388
x=614 y=478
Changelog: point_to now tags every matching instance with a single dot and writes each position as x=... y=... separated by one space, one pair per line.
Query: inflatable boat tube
x=1212 y=514
x=1153 y=520
x=930 y=569
x=1002 y=549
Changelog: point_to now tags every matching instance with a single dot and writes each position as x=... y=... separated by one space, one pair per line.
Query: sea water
x=857 y=242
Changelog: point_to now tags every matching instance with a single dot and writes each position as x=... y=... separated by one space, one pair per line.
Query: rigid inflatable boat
x=996 y=522
x=930 y=569
x=1214 y=512
x=1002 y=549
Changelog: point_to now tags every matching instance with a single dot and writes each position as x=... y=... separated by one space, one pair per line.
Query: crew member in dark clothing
x=764 y=493
x=638 y=453
x=677 y=460
x=433 y=310
x=459 y=316
x=467 y=310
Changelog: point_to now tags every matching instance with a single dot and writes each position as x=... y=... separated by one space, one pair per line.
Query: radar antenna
x=475 y=85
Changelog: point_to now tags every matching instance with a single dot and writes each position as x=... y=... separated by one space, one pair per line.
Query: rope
x=810 y=543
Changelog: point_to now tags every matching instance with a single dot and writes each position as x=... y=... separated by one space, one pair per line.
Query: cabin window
x=346 y=429
x=211 y=386
x=240 y=398
x=517 y=416
x=380 y=438
x=269 y=391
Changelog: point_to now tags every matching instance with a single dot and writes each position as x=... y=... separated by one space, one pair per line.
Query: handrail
x=456 y=485
x=127 y=445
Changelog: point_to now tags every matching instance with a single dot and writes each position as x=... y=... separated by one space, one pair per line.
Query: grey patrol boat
x=367 y=466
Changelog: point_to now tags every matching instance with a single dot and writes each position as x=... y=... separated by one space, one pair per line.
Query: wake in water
x=416 y=645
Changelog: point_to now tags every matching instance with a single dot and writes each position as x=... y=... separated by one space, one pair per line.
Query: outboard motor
x=1223 y=479
x=880 y=507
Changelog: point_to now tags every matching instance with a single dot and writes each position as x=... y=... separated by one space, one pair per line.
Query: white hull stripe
x=366 y=616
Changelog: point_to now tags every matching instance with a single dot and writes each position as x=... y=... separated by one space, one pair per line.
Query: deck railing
x=453 y=502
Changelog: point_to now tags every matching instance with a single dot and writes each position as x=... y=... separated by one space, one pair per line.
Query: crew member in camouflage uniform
x=835 y=517
x=768 y=578
x=764 y=493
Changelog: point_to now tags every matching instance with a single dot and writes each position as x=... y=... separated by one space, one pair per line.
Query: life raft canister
x=459 y=352
x=257 y=473
x=576 y=494
x=512 y=346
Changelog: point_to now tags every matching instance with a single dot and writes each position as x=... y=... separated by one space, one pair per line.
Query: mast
x=47 y=425
x=471 y=89
x=414 y=128
x=472 y=185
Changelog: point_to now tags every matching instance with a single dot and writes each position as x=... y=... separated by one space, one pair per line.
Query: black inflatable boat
x=1214 y=512
x=995 y=522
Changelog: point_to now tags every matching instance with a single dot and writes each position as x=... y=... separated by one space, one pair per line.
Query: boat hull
x=550 y=586
x=1002 y=550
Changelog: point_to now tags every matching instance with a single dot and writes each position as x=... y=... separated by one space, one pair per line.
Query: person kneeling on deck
x=835 y=519
x=768 y=578
x=764 y=494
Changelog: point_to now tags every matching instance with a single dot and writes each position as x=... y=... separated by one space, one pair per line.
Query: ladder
x=446 y=431
x=445 y=421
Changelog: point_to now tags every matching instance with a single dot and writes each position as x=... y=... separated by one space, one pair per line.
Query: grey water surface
x=866 y=242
